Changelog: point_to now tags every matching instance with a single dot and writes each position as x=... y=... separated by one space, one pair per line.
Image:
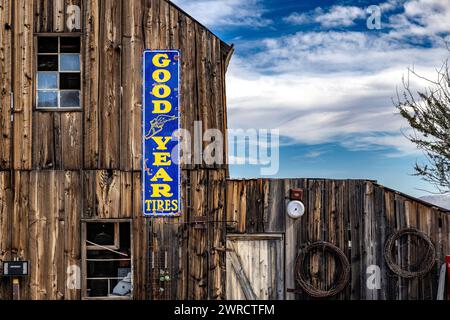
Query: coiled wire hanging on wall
x=343 y=276
x=427 y=262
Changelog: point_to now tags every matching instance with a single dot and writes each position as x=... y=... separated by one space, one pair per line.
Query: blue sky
x=315 y=71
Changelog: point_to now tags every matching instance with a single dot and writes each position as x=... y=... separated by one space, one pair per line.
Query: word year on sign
x=161 y=172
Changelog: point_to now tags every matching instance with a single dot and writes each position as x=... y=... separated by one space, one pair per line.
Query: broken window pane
x=47 y=99
x=70 y=45
x=69 y=81
x=101 y=233
x=70 y=62
x=47 y=80
x=70 y=99
x=47 y=44
x=108 y=272
x=48 y=63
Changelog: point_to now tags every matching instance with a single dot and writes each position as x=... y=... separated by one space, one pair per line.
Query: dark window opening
x=48 y=45
x=101 y=233
x=69 y=81
x=48 y=63
x=70 y=45
x=108 y=260
x=58 y=72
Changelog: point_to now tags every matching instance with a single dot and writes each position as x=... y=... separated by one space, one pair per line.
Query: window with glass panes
x=58 y=73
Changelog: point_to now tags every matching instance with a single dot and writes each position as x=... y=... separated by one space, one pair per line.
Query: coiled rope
x=342 y=278
x=428 y=261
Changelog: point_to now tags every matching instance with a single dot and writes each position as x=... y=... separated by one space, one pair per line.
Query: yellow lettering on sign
x=161 y=60
x=166 y=91
x=162 y=174
x=161 y=190
x=161 y=75
x=148 y=205
x=175 y=205
x=161 y=205
x=161 y=159
x=162 y=142
x=161 y=106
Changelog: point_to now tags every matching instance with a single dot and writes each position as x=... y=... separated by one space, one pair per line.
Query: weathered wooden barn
x=70 y=175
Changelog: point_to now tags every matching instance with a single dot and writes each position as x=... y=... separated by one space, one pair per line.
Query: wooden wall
x=191 y=248
x=57 y=168
x=355 y=215
x=40 y=220
x=5 y=82
x=254 y=262
x=105 y=134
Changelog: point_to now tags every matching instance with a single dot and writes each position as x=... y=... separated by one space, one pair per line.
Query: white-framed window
x=58 y=72
x=107 y=259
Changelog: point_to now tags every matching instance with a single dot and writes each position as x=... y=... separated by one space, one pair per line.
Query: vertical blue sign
x=161 y=174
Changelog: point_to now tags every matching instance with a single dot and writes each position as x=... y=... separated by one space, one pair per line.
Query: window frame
x=116 y=245
x=85 y=247
x=35 y=69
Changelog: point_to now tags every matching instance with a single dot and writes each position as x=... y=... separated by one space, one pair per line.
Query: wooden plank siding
x=105 y=133
x=6 y=49
x=355 y=215
x=58 y=169
x=253 y=267
x=22 y=84
x=46 y=209
x=45 y=230
x=6 y=207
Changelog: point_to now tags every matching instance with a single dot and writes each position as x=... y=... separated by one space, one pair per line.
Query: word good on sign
x=161 y=118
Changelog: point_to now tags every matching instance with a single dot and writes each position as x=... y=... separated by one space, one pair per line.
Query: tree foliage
x=428 y=114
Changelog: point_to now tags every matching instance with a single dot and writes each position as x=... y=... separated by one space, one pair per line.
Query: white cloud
x=328 y=87
x=312 y=154
x=341 y=16
x=222 y=13
x=395 y=141
x=331 y=87
x=422 y=18
x=336 y=16
x=418 y=17
x=303 y=18
x=391 y=5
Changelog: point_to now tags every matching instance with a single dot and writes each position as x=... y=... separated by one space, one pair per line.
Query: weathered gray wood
x=442 y=280
x=255 y=266
x=131 y=106
x=5 y=82
x=274 y=206
x=246 y=286
x=23 y=84
x=101 y=143
x=91 y=84
x=295 y=234
x=51 y=188
x=109 y=101
x=369 y=256
x=6 y=209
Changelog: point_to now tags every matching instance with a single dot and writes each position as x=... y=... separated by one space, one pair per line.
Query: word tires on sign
x=161 y=119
